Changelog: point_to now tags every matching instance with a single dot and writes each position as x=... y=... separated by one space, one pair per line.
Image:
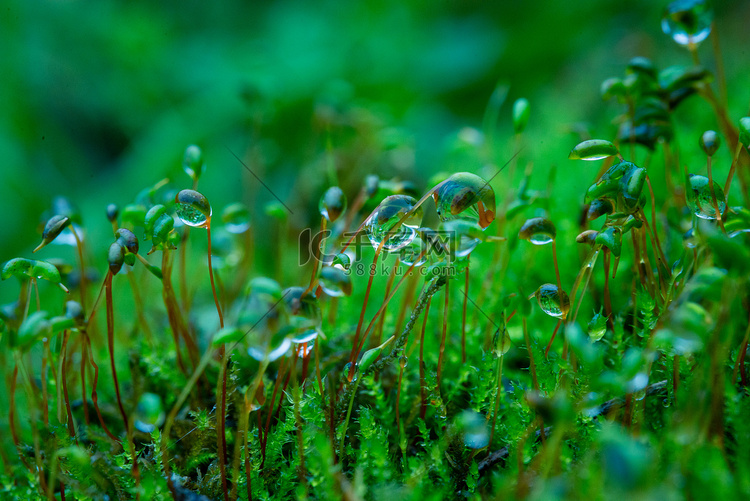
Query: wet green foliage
x=432 y=352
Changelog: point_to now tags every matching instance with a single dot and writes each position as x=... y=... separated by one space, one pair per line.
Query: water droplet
x=273 y=349
x=342 y=261
x=236 y=218
x=538 y=231
x=193 y=208
x=332 y=204
x=474 y=425
x=305 y=318
x=305 y=348
x=687 y=21
x=463 y=236
x=593 y=149
x=192 y=162
x=382 y=222
x=689 y=239
x=699 y=198
x=335 y=281
x=149 y=413
x=551 y=302
x=403 y=360
x=501 y=342
x=465 y=192
x=347 y=370
x=410 y=254
x=710 y=142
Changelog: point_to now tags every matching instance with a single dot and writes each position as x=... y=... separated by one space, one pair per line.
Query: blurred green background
x=99 y=99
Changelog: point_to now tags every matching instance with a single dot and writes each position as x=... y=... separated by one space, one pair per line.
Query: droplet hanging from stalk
x=467 y=195
x=538 y=231
x=335 y=281
x=699 y=198
x=332 y=204
x=193 y=208
x=593 y=149
x=553 y=301
x=688 y=22
x=383 y=225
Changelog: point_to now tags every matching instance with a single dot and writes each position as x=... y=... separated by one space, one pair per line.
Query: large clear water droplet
x=700 y=201
x=383 y=223
x=687 y=21
x=552 y=301
x=335 y=281
x=538 y=231
x=149 y=413
x=465 y=193
x=193 y=208
x=332 y=204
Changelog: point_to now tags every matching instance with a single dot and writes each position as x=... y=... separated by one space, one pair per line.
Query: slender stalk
x=740 y=362
x=379 y=336
x=355 y=345
x=79 y=247
x=463 y=312
x=211 y=275
x=445 y=332
x=173 y=314
x=221 y=405
x=532 y=365
x=45 y=394
x=61 y=371
x=728 y=183
x=554 y=333
x=94 y=395
x=111 y=345
x=296 y=396
x=316 y=258
x=498 y=395
x=422 y=383
x=342 y=439
x=607 y=298
x=714 y=201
